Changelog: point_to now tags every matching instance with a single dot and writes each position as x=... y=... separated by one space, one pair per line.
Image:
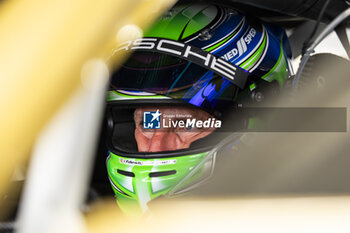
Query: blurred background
x=54 y=73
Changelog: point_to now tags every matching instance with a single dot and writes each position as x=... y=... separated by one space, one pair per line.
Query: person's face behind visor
x=172 y=138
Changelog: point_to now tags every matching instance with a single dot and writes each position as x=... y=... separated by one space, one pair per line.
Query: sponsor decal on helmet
x=147 y=163
x=231 y=72
x=241 y=46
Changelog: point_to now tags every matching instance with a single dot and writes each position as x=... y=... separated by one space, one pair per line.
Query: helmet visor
x=175 y=78
x=157 y=73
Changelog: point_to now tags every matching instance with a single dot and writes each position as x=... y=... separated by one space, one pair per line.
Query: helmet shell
x=259 y=48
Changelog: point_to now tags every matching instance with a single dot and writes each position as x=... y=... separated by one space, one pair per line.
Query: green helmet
x=205 y=57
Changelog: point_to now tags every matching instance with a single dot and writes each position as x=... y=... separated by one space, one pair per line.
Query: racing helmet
x=200 y=56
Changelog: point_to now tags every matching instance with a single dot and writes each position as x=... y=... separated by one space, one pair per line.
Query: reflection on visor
x=175 y=78
x=158 y=73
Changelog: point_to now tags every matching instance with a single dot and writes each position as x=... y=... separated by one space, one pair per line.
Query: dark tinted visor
x=176 y=78
x=160 y=73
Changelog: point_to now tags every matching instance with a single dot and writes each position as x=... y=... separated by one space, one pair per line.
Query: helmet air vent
x=205 y=35
x=159 y=174
x=126 y=173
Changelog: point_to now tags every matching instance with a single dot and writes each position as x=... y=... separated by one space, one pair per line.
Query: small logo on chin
x=151 y=120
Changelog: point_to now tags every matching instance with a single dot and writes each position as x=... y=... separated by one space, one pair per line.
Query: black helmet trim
x=120 y=132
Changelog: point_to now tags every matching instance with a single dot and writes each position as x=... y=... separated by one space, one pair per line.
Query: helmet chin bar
x=209 y=165
x=211 y=158
x=136 y=182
